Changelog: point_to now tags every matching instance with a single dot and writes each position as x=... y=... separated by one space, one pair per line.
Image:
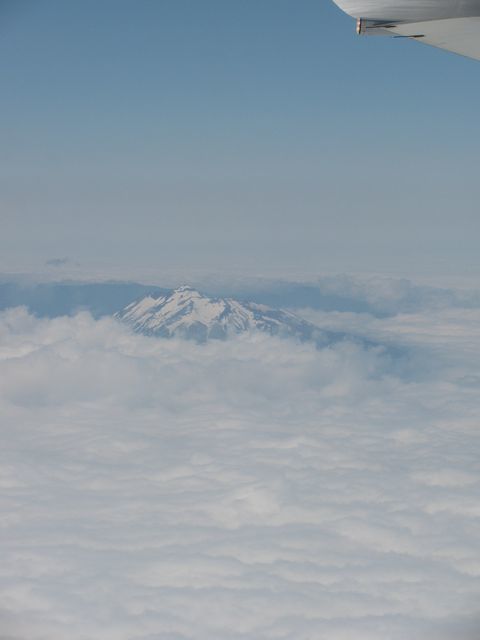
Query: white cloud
x=255 y=488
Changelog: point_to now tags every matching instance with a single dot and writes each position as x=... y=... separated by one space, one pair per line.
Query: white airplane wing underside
x=460 y=35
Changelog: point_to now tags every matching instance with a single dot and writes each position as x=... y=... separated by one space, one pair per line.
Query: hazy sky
x=218 y=134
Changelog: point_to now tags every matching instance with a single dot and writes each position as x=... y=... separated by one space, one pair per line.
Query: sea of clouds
x=254 y=489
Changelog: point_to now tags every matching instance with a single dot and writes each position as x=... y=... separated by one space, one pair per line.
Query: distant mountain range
x=187 y=313
x=378 y=297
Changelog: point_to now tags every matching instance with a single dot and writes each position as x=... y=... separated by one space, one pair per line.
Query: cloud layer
x=256 y=488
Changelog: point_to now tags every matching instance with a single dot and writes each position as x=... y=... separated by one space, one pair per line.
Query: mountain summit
x=187 y=313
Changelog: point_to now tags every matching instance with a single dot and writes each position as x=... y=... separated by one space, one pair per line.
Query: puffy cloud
x=57 y=262
x=254 y=488
x=378 y=295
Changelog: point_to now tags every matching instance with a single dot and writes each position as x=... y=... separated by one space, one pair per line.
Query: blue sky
x=232 y=135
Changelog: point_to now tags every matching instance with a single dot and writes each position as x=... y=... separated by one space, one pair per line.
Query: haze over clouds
x=254 y=488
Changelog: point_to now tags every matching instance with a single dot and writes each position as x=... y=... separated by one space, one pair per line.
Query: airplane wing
x=460 y=35
x=447 y=24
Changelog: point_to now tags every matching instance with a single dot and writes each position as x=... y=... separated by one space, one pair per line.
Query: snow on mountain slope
x=187 y=313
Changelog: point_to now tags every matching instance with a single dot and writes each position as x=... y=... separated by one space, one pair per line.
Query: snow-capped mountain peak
x=187 y=313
